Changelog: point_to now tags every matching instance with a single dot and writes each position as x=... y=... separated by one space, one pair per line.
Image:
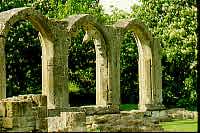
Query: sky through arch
x=125 y=5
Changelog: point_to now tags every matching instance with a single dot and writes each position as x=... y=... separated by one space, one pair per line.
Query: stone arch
x=149 y=64
x=10 y=17
x=94 y=31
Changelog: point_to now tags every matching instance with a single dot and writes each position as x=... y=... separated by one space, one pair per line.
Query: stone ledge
x=89 y=110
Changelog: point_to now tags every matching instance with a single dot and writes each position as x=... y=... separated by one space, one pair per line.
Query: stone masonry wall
x=124 y=121
x=68 y=119
x=23 y=113
x=26 y=113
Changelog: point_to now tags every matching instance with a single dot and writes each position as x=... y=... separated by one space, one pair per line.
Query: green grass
x=189 y=125
x=128 y=107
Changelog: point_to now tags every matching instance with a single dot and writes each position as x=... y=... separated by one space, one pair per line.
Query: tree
x=174 y=22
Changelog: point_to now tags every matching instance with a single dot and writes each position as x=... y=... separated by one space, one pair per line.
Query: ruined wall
x=27 y=113
x=104 y=121
x=23 y=114
x=55 y=36
x=51 y=111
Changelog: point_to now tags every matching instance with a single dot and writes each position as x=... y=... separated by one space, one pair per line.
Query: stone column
x=2 y=69
x=156 y=75
x=61 y=44
x=150 y=82
x=55 y=69
x=101 y=69
x=114 y=42
x=145 y=92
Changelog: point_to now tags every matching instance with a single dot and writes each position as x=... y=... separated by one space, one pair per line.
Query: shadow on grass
x=128 y=107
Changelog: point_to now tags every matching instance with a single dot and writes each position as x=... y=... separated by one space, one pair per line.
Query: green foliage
x=23 y=60
x=10 y=4
x=73 y=87
x=129 y=85
x=82 y=64
x=174 y=22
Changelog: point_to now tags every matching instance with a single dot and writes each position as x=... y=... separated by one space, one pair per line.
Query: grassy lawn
x=128 y=107
x=180 y=125
x=189 y=125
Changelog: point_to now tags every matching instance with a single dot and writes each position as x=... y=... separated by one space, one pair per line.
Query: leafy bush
x=174 y=22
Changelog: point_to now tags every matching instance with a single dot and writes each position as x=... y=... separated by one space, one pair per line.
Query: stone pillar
x=156 y=75
x=114 y=43
x=144 y=66
x=60 y=68
x=2 y=68
x=55 y=69
x=101 y=69
x=47 y=70
x=150 y=82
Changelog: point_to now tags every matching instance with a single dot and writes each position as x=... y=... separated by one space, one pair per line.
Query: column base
x=151 y=107
x=50 y=106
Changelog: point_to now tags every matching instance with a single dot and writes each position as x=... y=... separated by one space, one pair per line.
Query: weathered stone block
x=76 y=121
x=134 y=122
x=155 y=114
x=10 y=122
x=22 y=97
x=13 y=109
x=25 y=97
x=2 y=109
x=25 y=108
x=53 y=112
x=123 y=128
x=21 y=129
x=148 y=113
x=101 y=119
x=163 y=113
x=41 y=112
x=17 y=122
x=90 y=119
x=195 y=115
x=56 y=124
x=1 y=123
x=42 y=124
x=39 y=100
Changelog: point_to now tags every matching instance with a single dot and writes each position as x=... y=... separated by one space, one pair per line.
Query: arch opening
x=149 y=65
x=129 y=83
x=38 y=21
x=82 y=71
x=93 y=31
x=23 y=60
